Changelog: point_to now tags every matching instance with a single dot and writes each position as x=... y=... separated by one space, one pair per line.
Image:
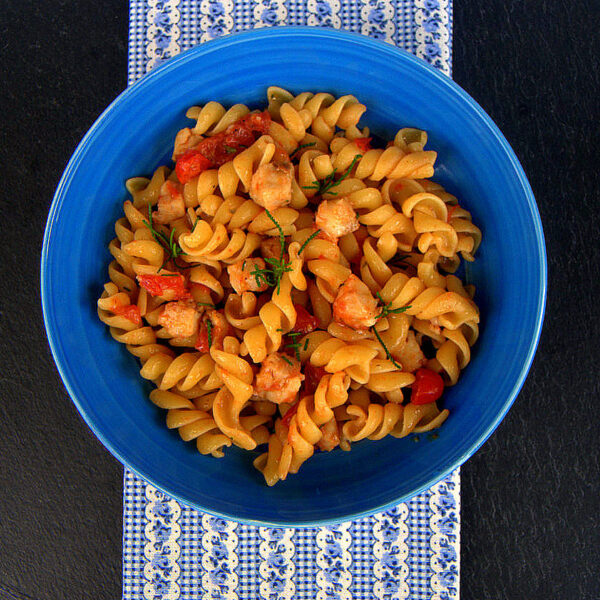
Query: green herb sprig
x=308 y=239
x=385 y=311
x=206 y=304
x=272 y=273
x=295 y=344
x=325 y=185
x=388 y=310
x=209 y=327
x=300 y=147
x=172 y=247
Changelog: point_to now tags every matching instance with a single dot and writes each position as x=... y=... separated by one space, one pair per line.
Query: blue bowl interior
x=134 y=136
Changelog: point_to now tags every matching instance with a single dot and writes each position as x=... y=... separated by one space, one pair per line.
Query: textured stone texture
x=530 y=496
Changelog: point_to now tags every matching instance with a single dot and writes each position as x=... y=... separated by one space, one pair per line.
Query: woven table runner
x=174 y=552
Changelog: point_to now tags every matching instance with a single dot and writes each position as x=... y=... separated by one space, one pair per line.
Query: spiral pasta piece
x=391 y=163
x=278 y=316
x=236 y=375
x=288 y=450
x=377 y=421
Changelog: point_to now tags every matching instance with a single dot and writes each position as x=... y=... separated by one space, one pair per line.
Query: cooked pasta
x=290 y=283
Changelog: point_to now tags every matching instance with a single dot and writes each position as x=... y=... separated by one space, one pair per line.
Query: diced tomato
x=363 y=144
x=219 y=331
x=305 y=322
x=428 y=386
x=218 y=149
x=202 y=339
x=451 y=211
x=129 y=311
x=191 y=164
x=287 y=418
x=313 y=376
x=158 y=285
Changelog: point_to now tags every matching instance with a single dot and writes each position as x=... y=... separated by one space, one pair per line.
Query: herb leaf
x=287 y=360
x=209 y=327
x=387 y=352
x=308 y=239
x=271 y=275
x=387 y=310
x=324 y=186
x=172 y=247
x=300 y=148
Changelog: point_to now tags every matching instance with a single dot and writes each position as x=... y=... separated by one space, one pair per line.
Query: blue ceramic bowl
x=134 y=135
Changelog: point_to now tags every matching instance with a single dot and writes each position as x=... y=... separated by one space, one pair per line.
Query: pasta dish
x=290 y=285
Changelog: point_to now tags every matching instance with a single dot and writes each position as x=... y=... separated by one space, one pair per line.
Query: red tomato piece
x=287 y=418
x=363 y=144
x=428 y=386
x=202 y=339
x=313 y=376
x=451 y=211
x=190 y=165
x=225 y=146
x=305 y=322
x=258 y=122
x=129 y=311
x=157 y=285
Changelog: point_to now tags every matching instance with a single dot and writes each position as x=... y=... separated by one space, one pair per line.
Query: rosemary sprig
x=169 y=244
x=312 y=235
x=209 y=327
x=206 y=304
x=324 y=186
x=295 y=346
x=300 y=148
x=287 y=360
x=229 y=149
x=387 y=310
x=387 y=352
x=271 y=275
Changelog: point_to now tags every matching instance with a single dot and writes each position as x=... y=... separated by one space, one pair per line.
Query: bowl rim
x=176 y=62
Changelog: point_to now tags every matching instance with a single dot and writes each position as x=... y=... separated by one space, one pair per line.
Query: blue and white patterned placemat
x=173 y=552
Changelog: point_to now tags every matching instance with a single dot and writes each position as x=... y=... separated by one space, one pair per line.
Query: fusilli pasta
x=290 y=283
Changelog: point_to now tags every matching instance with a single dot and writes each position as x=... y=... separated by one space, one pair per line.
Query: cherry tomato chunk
x=305 y=322
x=218 y=149
x=158 y=285
x=313 y=376
x=287 y=418
x=129 y=311
x=191 y=164
x=363 y=144
x=427 y=388
x=202 y=339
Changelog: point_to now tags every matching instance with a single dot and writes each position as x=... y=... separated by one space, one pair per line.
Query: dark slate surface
x=530 y=525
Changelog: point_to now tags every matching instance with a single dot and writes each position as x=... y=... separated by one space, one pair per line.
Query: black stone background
x=529 y=496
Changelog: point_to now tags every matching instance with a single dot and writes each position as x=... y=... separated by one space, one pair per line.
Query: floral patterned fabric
x=173 y=552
